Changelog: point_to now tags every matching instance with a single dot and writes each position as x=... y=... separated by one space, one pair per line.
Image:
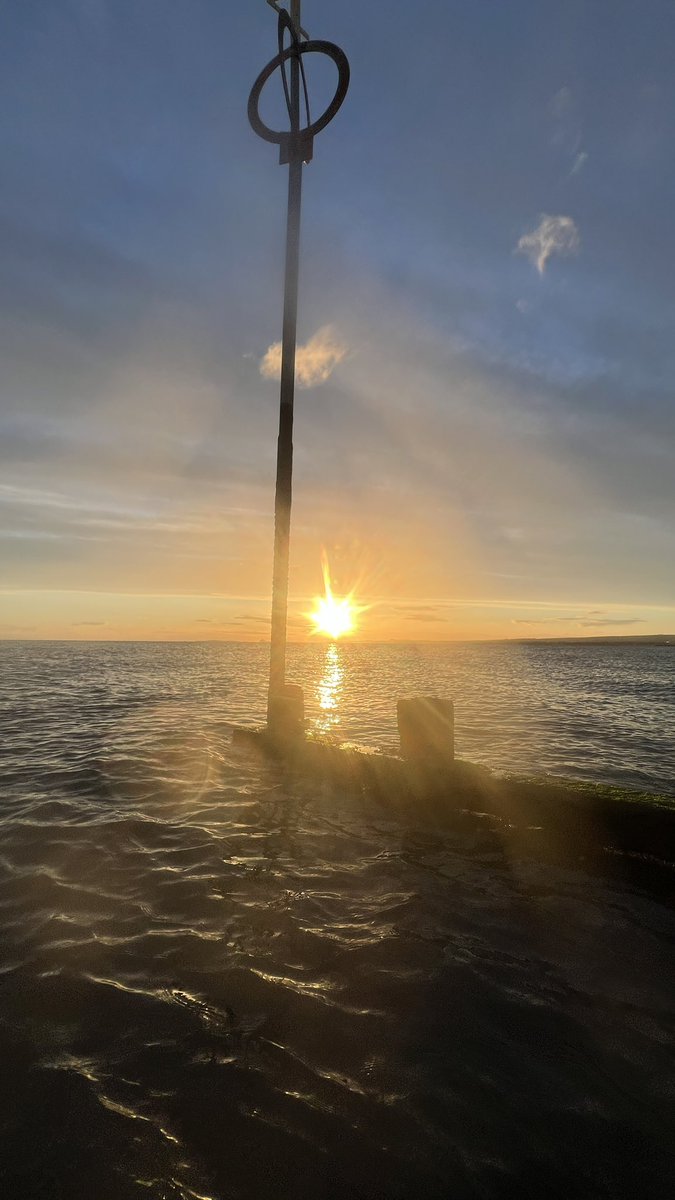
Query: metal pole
x=282 y=500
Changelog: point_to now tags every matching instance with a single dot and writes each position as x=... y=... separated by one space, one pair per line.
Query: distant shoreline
x=653 y=639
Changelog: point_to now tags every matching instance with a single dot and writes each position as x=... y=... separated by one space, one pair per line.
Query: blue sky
x=487 y=285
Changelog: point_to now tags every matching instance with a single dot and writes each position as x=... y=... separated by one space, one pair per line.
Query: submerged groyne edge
x=593 y=825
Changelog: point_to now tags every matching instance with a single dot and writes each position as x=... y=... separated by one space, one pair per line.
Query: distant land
x=645 y=639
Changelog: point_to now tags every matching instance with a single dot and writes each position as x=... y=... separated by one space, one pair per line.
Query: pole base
x=286 y=712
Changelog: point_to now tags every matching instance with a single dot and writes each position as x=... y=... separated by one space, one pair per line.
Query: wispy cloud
x=567 y=129
x=560 y=106
x=583 y=622
x=314 y=362
x=553 y=235
x=579 y=161
x=616 y=621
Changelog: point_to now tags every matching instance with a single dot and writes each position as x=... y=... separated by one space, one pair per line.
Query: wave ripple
x=218 y=983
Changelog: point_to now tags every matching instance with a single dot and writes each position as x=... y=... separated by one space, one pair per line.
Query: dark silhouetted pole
x=284 y=485
x=296 y=148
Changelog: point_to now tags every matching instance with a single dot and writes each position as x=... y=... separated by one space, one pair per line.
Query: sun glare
x=333 y=616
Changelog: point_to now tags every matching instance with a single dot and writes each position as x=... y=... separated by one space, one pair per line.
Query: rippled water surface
x=219 y=982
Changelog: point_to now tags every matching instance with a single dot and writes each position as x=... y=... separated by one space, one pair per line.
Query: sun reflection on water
x=329 y=690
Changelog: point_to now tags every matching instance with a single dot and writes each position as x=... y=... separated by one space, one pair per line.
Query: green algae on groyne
x=592 y=825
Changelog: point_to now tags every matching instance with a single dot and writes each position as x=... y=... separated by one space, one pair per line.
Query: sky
x=484 y=422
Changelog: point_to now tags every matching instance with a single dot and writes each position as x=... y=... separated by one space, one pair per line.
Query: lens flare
x=333 y=616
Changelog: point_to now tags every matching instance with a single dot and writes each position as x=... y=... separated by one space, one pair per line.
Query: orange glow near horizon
x=392 y=616
x=333 y=616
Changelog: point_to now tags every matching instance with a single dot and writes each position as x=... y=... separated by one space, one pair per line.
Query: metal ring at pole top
x=297 y=146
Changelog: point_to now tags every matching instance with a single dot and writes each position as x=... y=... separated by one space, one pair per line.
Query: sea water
x=218 y=982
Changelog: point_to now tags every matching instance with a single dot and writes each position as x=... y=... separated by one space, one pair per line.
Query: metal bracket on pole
x=278 y=9
x=297 y=143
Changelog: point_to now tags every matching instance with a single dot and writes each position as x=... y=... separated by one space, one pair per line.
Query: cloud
x=616 y=621
x=532 y=620
x=567 y=132
x=579 y=161
x=422 y=612
x=553 y=235
x=561 y=104
x=314 y=362
x=581 y=621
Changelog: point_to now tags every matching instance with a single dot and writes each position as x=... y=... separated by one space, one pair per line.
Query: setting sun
x=332 y=616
